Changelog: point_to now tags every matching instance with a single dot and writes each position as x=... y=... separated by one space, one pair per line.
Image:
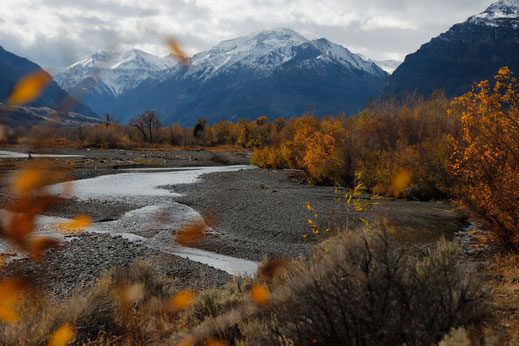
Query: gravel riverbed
x=254 y=213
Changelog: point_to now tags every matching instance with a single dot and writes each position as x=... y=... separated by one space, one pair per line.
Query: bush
x=268 y=157
x=378 y=144
x=365 y=290
x=486 y=158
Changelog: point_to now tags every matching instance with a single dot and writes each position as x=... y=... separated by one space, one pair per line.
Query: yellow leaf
x=29 y=88
x=181 y=301
x=260 y=294
x=187 y=341
x=77 y=224
x=11 y=291
x=64 y=335
x=177 y=51
x=39 y=245
x=400 y=182
x=214 y=342
x=28 y=180
x=8 y=315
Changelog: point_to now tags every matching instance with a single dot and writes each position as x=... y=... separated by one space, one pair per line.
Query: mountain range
x=102 y=78
x=467 y=53
x=272 y=72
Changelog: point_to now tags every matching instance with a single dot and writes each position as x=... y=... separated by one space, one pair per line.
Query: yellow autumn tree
x=486 y=156
x=322 y=158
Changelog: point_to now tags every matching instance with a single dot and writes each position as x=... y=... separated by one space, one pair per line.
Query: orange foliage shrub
x=269 y=157
x=486 y=157
x=411 y=135
x=371 y=148
x=316 y=147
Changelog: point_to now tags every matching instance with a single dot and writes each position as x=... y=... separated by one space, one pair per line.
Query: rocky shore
x=254 y=213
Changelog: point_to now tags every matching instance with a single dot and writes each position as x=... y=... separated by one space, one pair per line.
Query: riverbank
x=264 y=212
x=253 y=214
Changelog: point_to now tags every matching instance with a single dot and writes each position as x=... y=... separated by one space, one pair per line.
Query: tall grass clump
x=125 y=304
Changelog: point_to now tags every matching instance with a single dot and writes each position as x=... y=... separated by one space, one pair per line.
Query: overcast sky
x=56 y=33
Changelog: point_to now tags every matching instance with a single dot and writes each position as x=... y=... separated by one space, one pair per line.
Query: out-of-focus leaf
x=400 y=182
x=260 y=294
x=191 y=233
x=11 y=293
x=187 y=341
x=76 y=225
x=272 y=267
x=214 y=342
x=39 y=245
x=181 y=301
x=178 y=52
x=29 y=88
x=8 y=315
x=63 y=336
x=21 y=225
x=129 y=294
x=28 y=180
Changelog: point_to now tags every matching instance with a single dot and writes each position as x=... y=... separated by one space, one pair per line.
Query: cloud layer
x=56 y=33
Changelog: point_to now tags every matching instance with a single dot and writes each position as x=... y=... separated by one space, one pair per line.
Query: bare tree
x=146 y=123
x=199 y=127
x=109 y=120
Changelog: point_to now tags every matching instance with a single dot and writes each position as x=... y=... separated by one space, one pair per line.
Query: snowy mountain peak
x=506 y=7
x=339 y=54
x=250 y=50
x=499 y=11
x=266 y=50
x=116 y=71
x=265 y=39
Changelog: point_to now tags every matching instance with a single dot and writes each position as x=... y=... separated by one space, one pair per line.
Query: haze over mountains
x=469 y=52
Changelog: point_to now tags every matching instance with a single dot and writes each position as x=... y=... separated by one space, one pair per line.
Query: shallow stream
x=154 y=224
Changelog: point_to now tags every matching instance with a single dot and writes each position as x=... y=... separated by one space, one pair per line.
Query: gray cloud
x=56 y=33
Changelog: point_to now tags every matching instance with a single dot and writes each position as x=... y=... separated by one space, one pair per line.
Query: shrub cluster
x=374 y=147
x=364 y=290
x=360 y=289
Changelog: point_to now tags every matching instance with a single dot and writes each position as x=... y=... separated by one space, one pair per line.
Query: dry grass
x=124 y=304
x=503 y=276
x=361 y=288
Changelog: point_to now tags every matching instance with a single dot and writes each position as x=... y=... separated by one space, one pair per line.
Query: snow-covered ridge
x=267 y=50
x=262 y=52
x=116 y=71
x=497 y=12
